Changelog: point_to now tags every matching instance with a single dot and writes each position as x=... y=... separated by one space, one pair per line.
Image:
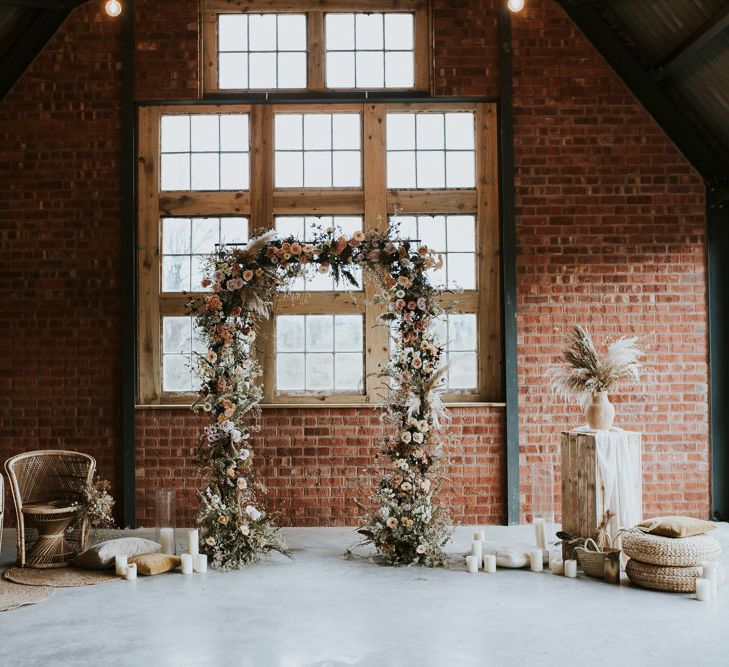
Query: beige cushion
x=149 y=564
x=101 y=555
x=676 y=526
x=513 y=555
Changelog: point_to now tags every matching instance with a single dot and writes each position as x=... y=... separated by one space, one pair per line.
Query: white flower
x=253 y=513
x=244 y=529
x=418 y=437
x=235 y=435
x=406 y=436
x=384 y=512
x=402 y=463
x=423 y=426
x=241 y=483
x=244 y=454
x=227 y=426
x=421 y=548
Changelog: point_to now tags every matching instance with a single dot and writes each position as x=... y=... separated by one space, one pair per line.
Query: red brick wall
x=610 y=233
x=610 y=230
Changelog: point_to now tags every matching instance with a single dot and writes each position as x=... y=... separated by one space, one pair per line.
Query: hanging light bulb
x=515 y=5
x=113 y=7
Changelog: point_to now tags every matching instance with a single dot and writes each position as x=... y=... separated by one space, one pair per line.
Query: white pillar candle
x=201 y=563
x=167 y=540
x=472 y=563
x=711 y=572
x=537 y=560
x=489 y=562
x=131 y=572
x=703 y=590
x=479 y=535
x=570 y=568
x=120 y=565
x=477 y=550
x=540 y=533
x=193 y=542
x=186 y=566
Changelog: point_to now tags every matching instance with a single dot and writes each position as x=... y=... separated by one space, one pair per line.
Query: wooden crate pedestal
x=601 y=471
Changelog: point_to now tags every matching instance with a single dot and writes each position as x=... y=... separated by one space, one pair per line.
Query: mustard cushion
x=676 y=526
x=149 y=564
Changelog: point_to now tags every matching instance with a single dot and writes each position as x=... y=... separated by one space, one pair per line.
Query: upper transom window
x=280 y=45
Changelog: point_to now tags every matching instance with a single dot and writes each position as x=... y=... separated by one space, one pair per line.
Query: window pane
x=205 y=234
x=399 y=32
x=232 y=32
x=176 y=236
x=176 y=335
x=262 y=51
x=369 y=50
x=340 y=69
x=457 y=334
x=461 y=233
x=214 y=155
x=262 y=32
x=179 y=340
x=290 y=372
x=292 y=70
x=291 y=32
x=399 y=70
x=317 y=362
x=290 y=336
x=369 y=69
x=339 y=32
x=317 y=150
x=401 y=169
x=233 y=70
x=462 y=373
x=176 y=375
x=175 y=273
x=436 y=163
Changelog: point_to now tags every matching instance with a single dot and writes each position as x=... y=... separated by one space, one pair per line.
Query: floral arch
x=405 y=525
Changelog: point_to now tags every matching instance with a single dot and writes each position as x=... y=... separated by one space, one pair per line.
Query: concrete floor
x=322 y=609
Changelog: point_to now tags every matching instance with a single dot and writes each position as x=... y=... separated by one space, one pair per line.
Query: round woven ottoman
x=670 y=551
x=660 y=578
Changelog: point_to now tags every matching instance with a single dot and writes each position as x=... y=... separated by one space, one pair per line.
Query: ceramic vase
x=600 y=412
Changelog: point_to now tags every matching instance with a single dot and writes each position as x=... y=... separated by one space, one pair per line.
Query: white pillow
x=101 y=555
x=514 y=555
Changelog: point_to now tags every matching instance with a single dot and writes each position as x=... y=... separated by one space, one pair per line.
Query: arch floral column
x=404 y=525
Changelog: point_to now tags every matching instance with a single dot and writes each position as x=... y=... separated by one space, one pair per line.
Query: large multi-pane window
x=279 y=45
x=323 y=343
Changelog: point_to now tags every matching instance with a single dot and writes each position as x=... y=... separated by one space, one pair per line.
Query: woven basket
x=670 y=551
x=592 y=559
x=673 y=579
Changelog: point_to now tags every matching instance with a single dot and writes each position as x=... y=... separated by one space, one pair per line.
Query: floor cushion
x=670 y=551
x=674 y=579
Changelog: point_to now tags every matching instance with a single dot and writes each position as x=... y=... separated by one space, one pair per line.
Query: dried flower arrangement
x=405 y=526
x=583 y=374
x=98 y=504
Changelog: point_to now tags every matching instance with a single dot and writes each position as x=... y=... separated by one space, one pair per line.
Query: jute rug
x=14 y=595
x=59 y=578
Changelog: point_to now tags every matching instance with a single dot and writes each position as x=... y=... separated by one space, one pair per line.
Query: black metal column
x=717 y=223
x=508 y=265
x=129 y=272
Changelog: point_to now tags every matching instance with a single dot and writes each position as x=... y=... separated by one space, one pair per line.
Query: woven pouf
x=670 y=551
x=674 y=579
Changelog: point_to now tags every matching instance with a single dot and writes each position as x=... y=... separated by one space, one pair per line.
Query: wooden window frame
x=374 y=201
x=315 y=47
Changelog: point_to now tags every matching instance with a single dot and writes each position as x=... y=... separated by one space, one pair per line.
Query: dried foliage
x=404 y=527
x=583 y=373
x=98 y=504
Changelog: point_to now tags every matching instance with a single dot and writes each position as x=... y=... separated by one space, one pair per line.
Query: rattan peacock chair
x=2 y=509
x=47 y=487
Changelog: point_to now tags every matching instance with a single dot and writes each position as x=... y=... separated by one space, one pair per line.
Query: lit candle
x=131 y=572
x=570 y=568
x=201 y=563
x=479 y=535
x=193 y=543
x=711 y=572
x=120 y=565
x=537 y=560
x=703 y=590
x=472 y=563
x=540 y=533
x=477 y=550
x=186 y=563
x=489 y=562
x=167 y=540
